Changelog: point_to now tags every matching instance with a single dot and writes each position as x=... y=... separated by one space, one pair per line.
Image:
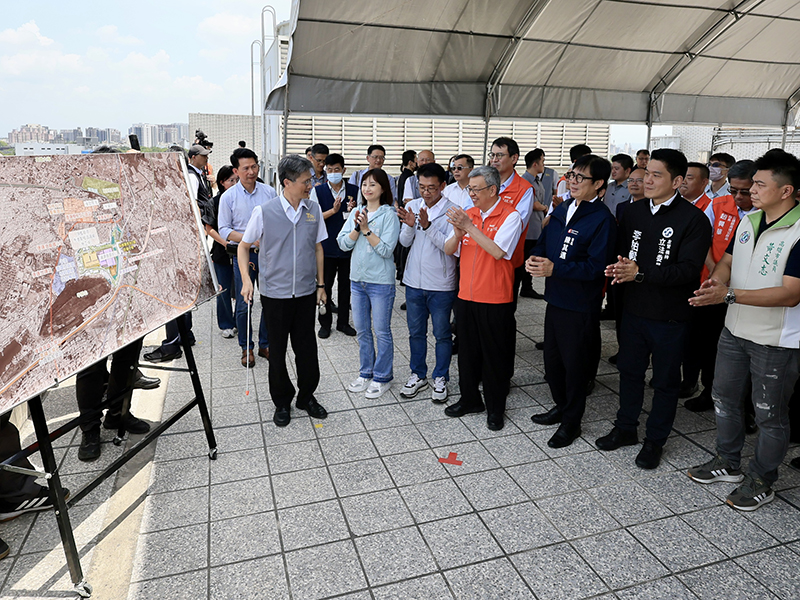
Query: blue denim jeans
x=225 y=318
x=372 y=309
x=241 y=307
x=439 y=305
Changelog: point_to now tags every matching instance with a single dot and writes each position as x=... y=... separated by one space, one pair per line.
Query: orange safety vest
x=726 y=220
x=703 y=202
x=483 y=278
x=511 y=196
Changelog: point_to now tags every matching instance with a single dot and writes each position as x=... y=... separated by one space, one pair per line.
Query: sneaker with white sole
x=37 y=500
x=413 y=386
x=753 y=492
x=717 y=469
x=359 y=384
x=377 y=389
x=439 y=390
x=228 y=333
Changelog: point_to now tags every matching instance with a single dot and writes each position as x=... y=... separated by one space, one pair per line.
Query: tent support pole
x=485 y=136
x=649 y=134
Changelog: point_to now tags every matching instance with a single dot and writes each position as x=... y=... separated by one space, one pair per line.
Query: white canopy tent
x=683 y=61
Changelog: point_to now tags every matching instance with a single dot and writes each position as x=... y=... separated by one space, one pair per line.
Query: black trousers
x=90 y=384
x=487 y=340
x=641 y=338
x=14 y=486
x=527 y=278
x=337 y=267
x=700 y=353
x=569 y=338
x=519 y=276
x=172 y=343
x=291 y=318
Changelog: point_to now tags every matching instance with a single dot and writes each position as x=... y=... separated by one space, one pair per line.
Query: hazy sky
x=110 y=64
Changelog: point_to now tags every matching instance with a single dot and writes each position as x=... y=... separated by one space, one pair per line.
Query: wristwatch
x=369 y=233
x=639 y=277
x=320 y=286
x=730 y=297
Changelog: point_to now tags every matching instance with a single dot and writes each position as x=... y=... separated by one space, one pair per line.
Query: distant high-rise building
x=32 y=132
x=147 y=134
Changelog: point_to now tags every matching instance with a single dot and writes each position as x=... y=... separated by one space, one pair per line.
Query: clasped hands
x=409 y=218
x=622 y=271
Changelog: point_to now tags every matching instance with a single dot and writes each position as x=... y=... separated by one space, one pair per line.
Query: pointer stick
x=247 y=338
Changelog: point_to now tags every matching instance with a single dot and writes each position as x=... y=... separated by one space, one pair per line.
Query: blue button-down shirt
x=237 y=204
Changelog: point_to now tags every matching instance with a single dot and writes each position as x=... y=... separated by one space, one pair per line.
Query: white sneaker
x=358 y=385
x=413 y=385
x=377 y=389
x=228 y=333
x=439 y=390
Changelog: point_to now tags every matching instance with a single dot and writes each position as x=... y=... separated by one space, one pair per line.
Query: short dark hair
x=466 y=157
x=644 y=151
x=696 y=165
x=578 y=150
x=624 y=160
x=334 y=159
x=509 y=143
x=320 y=149
x=408 y=156
x=785 y=167
x=225 y=172
x=292 y=166
x=533 y=156
x=242 y=144
x=382 y=179
x=599 y=168
x=241 y=153
x=674 y=160
x=308 y=150
x=723 y=157
x=432 y=170
x=376 y=147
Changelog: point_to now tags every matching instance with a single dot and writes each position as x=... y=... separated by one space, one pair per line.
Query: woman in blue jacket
x=371 y=234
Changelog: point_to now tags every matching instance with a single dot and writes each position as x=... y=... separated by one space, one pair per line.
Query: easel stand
x=45 y=447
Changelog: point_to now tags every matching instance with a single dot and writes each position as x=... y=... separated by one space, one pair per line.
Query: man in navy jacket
x=572 y=254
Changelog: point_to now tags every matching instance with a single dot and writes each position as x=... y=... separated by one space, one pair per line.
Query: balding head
x=425 y=157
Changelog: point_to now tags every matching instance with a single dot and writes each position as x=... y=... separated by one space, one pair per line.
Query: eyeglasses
x=493 y=155
x=457 y=167
x=632 y=180
x=717 y=164
x=472 y=190
x=577 y=177
x=376 y=157
x=305 y=182
x=429 y=188
x=737 y=192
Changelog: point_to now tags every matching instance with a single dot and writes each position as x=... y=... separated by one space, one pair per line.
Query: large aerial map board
x=95 y=252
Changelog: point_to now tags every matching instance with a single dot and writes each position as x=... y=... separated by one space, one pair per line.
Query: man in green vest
x=759 y=279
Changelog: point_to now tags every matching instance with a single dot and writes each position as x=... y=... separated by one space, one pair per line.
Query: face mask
x=335 y=178
x=715 y=173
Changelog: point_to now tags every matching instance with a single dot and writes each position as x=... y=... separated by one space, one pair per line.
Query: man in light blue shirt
x=235 y=207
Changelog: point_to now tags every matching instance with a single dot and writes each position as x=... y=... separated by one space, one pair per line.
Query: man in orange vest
x=724 y=212
x=694 y=186
x=485 y=237
x=517 y=193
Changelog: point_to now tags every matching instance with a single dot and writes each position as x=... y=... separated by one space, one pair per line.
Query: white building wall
x=226 y=131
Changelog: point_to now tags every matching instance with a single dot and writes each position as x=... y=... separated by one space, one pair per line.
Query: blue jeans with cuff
x=439 y=306
x=372 y=309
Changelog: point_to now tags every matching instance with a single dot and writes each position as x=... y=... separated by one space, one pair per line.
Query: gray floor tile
x=558 y=573
x=383 y=417
x=488 y=581
x=236 y=466
x=473 y=456
x=394 y=555
x=238 y=498
x=347 y=448
x=298 y=430
x=779 y=518
x=543 y=479
x=341 y=423
x=302 y=487
x=360 y=477
x=260 y=579
x=445 y=433
x=414 y=467
x=668 y=587
x=629 y=503
x=244 y=538
x=185 y=585
x=335 y=401
x=175 y=509
x=324 y=571
x=170 y=552
x=179 y=445
x=429 y=587
x=776 y=569
x=398 y=440
x=476 y=423
x=375 y=512
x=312 y=524
x=676 y=544
x=514 y=450
x=435 y=500
x=241 y=437
x=681 y=453
x=591 y=469
x=619 y=559
x=729 y=530
x=294 y=457
x=460 y=540
x=236 y=414
x=490 y=489
x=584 y=517
x=520 y=527
x=179 y=475
x=679 y=493
x=725 y=579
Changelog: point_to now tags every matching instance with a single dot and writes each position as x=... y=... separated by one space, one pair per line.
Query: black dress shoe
x=617 y=439
x=531 y=294
x=324 y=332
x=132 y=424
x=539 y=345
x=795 y=463
x=158 y=355
x=564 y=436
x=495 y=422
x=90 y=445
x=687 y=390
x=459 y=409
x=282 y=416
x=314 y=409
x=613 y=358
x=649 y=456
x=701 y=403
x=347 y=330
x=550 y=417
x=590 y=386
x=334 y=308
x=141 y=382
x=403 y=306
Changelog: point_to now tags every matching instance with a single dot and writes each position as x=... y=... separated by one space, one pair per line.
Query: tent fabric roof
x=681 y=61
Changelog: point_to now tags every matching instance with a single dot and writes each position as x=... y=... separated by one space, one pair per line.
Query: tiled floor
x=358 y=506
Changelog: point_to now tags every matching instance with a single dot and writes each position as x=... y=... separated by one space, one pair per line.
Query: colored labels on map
x=82 y=238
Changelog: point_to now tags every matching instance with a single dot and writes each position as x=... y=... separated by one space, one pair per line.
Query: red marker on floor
x=451 y=459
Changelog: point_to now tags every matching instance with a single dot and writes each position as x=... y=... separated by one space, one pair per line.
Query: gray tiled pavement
x=358 y=506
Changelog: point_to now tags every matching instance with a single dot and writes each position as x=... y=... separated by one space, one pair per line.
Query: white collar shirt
x=573 y=207
x=654 y=207
x=458 y=195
